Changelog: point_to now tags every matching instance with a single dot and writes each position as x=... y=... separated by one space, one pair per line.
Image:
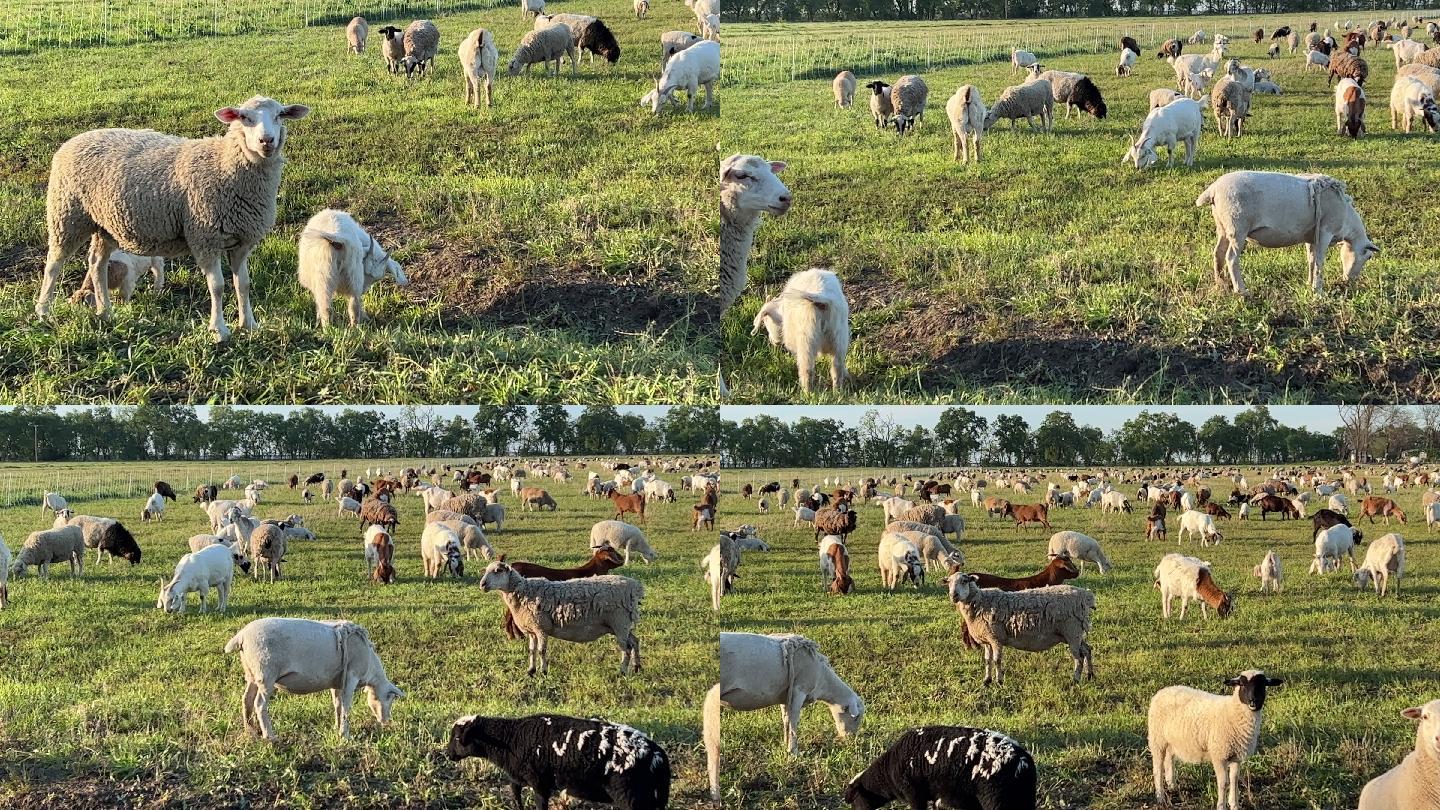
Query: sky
x=1319 y=418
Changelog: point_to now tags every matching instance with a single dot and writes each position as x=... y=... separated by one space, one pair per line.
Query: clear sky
x=1319 y=418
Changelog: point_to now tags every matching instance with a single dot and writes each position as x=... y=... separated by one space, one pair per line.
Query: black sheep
x=591 y=760
x=117 y=541
x=1281 y=32
x=164 y=490
x=205 y=493
x=773 y=486
x=1087 y=97
x=595 y=37
x=953 y=766
x=315 y=479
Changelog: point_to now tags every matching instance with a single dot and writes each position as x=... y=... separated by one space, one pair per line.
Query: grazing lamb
x=1189 y=578
x=673 y=42
x=1033 y=620
x=1029 y=100
x=1349 y=109
x=441 y=550
x=1230 y=101
x=1128 y=58
x=881 y=108
x=61 y=545
x=123 y=272
x=1412 y=99
x=472 y=538
x=1333 y=543
x=843 y=88
x=789 y=671
x=338 y=258
x=356 y=33
x=53 y=502
x=1079 y=547
x=478 y=60
x=810 y=317
x=899 y=559
x=689 y=70
x=908 y=97
x=622 y=767
x=1177 y=121
x=622 y=537
x=1279 y=210
x=422 y=43
x=1414 y=784
x=543 y=47
x=393 y=47
x=1271 y=577
x=301 y=657
x=209 y=198
x=580 y=610
x=954 y=766
x=1194 y=726
x=1384 y=560
x=1075 y=90
x=212 y=566
x=1020 y=60
x=966 y=111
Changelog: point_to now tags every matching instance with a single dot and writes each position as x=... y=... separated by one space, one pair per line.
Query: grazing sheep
x=534 y=499
x=1198 y=524
x=53 y=502
x=1075 y=90
x=1230 y=101
x=1020 y=60
x=1406 y=50
x=695 y=67
x=1128 y=58
x=548 y=753
x=1033 y=620
x=267 y=547
x=422 y=43
x=720 y=566
x=1079 y=547
x=393 y=47
x=1343 y=65
x=530 y=8
x=348 y=506
x=356 y=33
x=338 y=258
x=844 y=88
x=209 y=198
x=1317 y=59
x=881 y=108
x=578 y=610
x=810 y=317
x=1029 y=100
x=789 y=671
x=907 y=98
x=1349 y=109
x=1177 y=121
x=673 y=42
x=123 y=272
x=60 y=545
x=478 y=60
x=441 y=550
x=1279 y=210
x=472 y=538
x=1384 y=560
x=1194 y=726
x=107 y=536
x=590 y=34
x=211 y=566
x=955 y=766
x=1412 y=99
x=301 y=657
x=835 y=565
x=899 y=560
x=966 y=111
x=1428 y=76
x=1333 y=543
x=622 y=537
x=1414 y=784
x=543 y=47
x=1189 y=578
x=1171 y=49
x=1271 y=577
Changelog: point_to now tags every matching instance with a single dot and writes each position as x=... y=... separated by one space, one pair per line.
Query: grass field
x=1049 y=272
x=105 y=700
x=1350 y=661
x=551 y=240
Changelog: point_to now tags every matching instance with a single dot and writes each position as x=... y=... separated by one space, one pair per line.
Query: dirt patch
x=20 y=262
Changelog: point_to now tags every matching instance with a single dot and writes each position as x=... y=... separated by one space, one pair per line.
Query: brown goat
x=1383 y=507
x=996 y=507
x=1028 y=513
x=1215 y=510
x=840 y=558
x=384 y=573
x=1059 y=569
x=602 y=561
x=628 y=503
x=704 y=517
x=1211 y=593
x=1275 y=503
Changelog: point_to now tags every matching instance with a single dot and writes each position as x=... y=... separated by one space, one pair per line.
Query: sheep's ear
x=1274 y=681
x=335 y=244
x=1232 y=681
x=229 y=114
x=777 y=165
x=1412 y=713
x=294 y=112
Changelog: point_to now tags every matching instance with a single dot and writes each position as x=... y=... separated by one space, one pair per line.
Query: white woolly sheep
x=810 y=317
x=1412 y=99
x=123 y=272
x=441 y=550
x=543 y=47
x=478 y=60
x=1331 y=544
x=472 y=538
x=1427 y=75
x=908 y=97
x=1081 y=548
x=580 y=610
x=65 y=544
x=1415 y=782
x=622 y=537
x=1194 y=726
x=301 y=656
x=1127 y=62
x=1178 y=121
x=1279 y=210
x=899 y=559
x=966 y=111
x=843 y=88
x=673 y=42
x=1384 y=561
x=1033 y=620
x=689 y=70
x=159 y=195
x=53 y=502
x=1271 y=577
x=1020 y=60
x=1189 y=578
x=422 y=43
x=338 y=258
x=211 y=566
x=1032 y=99
x=356 y=34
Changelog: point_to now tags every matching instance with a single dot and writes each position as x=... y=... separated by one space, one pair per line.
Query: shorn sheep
x=673 y=42
x=356 y=33
x=62 y=545
x=338 y=258
x=689 y=70
x=590 y=760
x=1178 y=121
x=1194 y=726
x=1189 y=578
x=301 y=656
x=1414 y=784
x=422 y=43
x=810 y=317
x=478 y=60
x=953 y=766
x=1031 y=100
x=1033 y=620
x=908 y=97
x=966 y=111
x=1079 y=547
x=544 y=46
x=1274 y=210
x=578 y=610
x=212 y=566
x=153 y=194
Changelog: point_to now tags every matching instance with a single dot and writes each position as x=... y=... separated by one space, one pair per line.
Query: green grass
x=1350 y=661
x=551 y=240
x=1049 y=272
x=102 y=696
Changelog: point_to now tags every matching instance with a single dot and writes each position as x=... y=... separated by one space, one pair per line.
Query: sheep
x=1075 y=90
x=53 y=502
x=356 y=33
x=1198 y=524
x=720 y=566
x=936 y=551
x=472 y=538
x=590 y=34
x=123 y=272
x=494 y=513
x=1271 y=577
x=1177 y=121
x=392 y=45
x=1020 y=60
x=1344 y=65
x=1349 y=109
x=301 y=656
x=623 y=768
x=348 y=506
x=1428 y=76
x=899 y=560
x=1411 y=99
x=1079 y=547
x=1198 y=38
x=748 y=188
x=422 y=43
x=622 y=537
x=810 y=317
x=530 y=8
x=966 y=111
x=1114 y=501
x=1194 y=726
x=1267 y=87
x=690 y=69
x=535 y=499
x=907 y=97
x=4 y=574
x=673 y=42
x=1029 y=100
x=1413 y=784
x=1189 y=578
x=956 y=766
x=1033 y=620
x=642 y=9
x=881 y=107
x=160 y=195
x=1127 y=62
x=267 y=547
x=1279 y=210
x=1384 y=560
x=478 y=60
x=543 y=47
x=843 y=88
x=1171 y=48
x=578 y=610
x=710 y=27
x=1406 y=50
x=107 y=536
x=211 y=566
x=64 y=544
x=789 y=671
x=1331 y=544
x=1230 y=101
x=440 y=549
x=1317 y=59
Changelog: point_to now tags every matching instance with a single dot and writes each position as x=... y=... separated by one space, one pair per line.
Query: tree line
x=834 y=10
x=164 y=432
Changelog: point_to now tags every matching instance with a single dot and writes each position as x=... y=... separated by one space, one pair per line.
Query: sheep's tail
x=817 y=299
x=1207 y=197
x=236 y=644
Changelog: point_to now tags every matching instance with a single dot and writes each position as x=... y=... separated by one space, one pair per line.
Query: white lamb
x=348 y=506
x=810 y=317
x=478 y=60
x=1189 y=578
x=1271 y=577
x=1194 y=726
x=440 y=549
x=1411 y=99
x=1020 y=60
x=899 y=559
x=689 y=70
x=1384 y=560
x=356 y=33
x=123 y=271
x=1414 y=784
x=623 y=537
x=338 y=258
x=1178 y=121
x=211 y=566
x=966 y=111
x=1082 y=548
x=843 y=88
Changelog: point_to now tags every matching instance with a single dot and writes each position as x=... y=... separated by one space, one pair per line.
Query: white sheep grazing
x=1194 y=726
x=623 y=537
x=843 y=88
x=348 y=506
x=1033 y=620
x=1198 y=524
x=199 y=542
x=356 y=33
x=1178 y=121
x=422 y=43
x=899 y=559
x=1349 y=108
x=153 y=194
x=1405 y=50
x=301 y=656
x=1330 y=545
x=642 y=9
x=63 y=545
x=123 y=272
x=1020 y=60
x=1197 y=38
x=4 y=574
x=1161 y=96
x=544 y=46
x=789 y=671
x=1279 y=210
x=1189 y=578
x=1127 y=62
x=53 y=502
x=673 y=42
x=338 y=258
x=908 y=97
x=579 y=610
x=1029 y=100
x=1411 y=99
x=440 y=549
x=689 y=70
x=1082 y=548
x=1384 y=561
x=212 y=566
x=1414 y=784
x=154 y=508
x=966 y=111
x=472 y=538
x=720 y=566
x=1271 y=577
x=529 y=8
x=810 y=317
x=1316 y=59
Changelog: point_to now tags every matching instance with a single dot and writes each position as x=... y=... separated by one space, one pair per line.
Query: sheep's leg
x=1234 y=245
x=1158 y=762
x=262 y=712
x=1315 y=253
x=98 y=262
x=240 y=269
x=1227 y=779
x=837 y=370
x=541 y=649
x=791 y=714
x=223 y=597
x=215 y=281
x=805 y=367
x=247 y=706
x=995 y=661
x=1184 y=603
x=709 y=95
x=62 y=247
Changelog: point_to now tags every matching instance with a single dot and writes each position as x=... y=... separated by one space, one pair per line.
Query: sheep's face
x=381 y=699
x=262 y=123
x=848 y=716
x=497 y=577
x=1250 y=687
x=1429 y=732
x=749 y=183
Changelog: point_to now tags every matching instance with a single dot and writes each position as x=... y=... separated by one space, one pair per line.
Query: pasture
x=551 y=240
x=1350 y=661
x=1049 y=272
x=105 y=700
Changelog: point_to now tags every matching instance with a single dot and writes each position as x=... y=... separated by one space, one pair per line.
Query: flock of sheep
x=924 y=525
x=589 y=759
x=133 y=198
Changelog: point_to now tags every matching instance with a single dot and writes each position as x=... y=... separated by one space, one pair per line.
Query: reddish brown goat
x=604 y=560
x=384 y=573
x=1215 y=509
x=840 y=558
x=1374 y=506
x=628 y=503
x=1028 y=513
x=1056 y=572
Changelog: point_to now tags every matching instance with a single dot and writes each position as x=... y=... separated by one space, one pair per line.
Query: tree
x=1012 y=438
x=959 y=432
x=552 y=427
x=496 y=426
x=1058 y=439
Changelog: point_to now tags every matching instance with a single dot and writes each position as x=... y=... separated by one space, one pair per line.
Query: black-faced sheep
x=953 y=766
